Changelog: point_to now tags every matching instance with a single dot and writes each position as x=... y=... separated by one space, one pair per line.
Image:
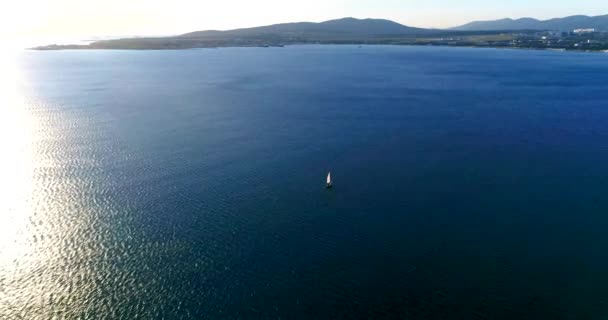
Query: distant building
x=579 y=31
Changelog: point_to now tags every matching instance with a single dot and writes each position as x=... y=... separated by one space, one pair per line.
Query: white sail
x=329 y=178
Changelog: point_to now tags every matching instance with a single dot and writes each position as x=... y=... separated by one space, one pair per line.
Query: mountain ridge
x=569 y=23
x=350 y=25
x=357 y=31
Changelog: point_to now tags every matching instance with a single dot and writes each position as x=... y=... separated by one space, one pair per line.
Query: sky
x=98 y=18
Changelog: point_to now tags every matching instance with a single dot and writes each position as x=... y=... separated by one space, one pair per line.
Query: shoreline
x=88 y=47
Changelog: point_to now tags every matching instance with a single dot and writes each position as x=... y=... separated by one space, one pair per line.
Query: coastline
x=89 y=47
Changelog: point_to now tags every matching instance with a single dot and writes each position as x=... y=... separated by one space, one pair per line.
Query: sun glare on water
x=17 y=161
x=17 y=167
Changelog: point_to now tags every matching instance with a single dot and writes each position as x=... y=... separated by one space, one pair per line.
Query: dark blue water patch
x=469 y=183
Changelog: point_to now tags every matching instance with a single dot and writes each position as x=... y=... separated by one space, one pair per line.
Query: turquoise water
x=468 y=183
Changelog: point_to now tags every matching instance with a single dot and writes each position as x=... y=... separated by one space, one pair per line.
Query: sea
x=468 y=183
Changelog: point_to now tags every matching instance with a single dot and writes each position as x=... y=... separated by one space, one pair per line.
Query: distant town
x=578 y=39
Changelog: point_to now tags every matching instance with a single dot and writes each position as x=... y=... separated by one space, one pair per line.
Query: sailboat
x=328 y=180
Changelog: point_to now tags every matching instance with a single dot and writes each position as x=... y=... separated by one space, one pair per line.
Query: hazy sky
x=77 y=18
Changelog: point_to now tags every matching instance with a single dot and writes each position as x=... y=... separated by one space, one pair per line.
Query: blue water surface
x=468 y=184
